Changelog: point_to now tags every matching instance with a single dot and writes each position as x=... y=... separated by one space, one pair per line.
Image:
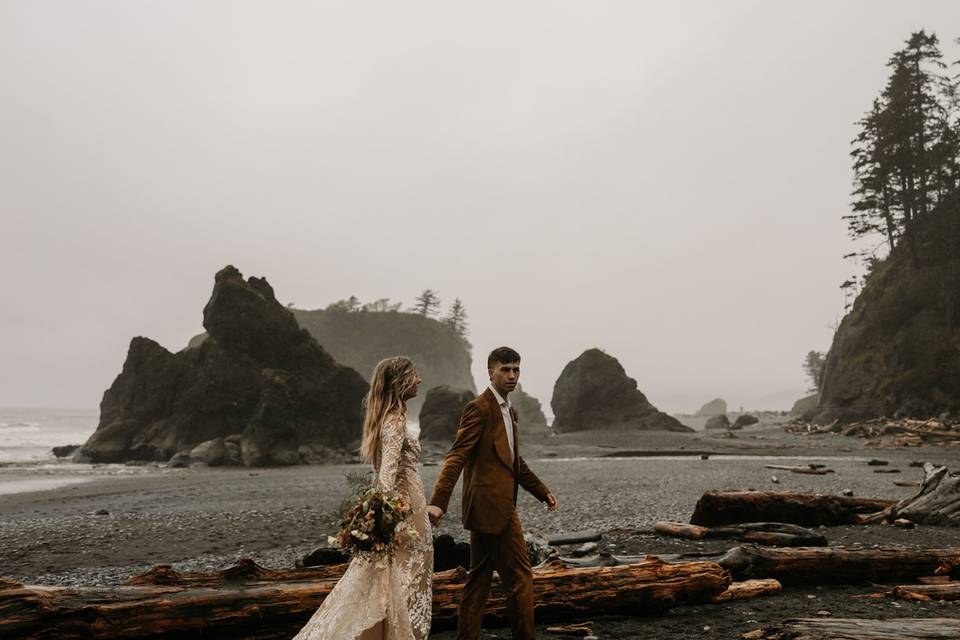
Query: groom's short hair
x=503 y=355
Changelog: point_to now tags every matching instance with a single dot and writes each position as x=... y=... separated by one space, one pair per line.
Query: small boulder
x=717 y=422
x=744 y=420
x=211 y=452
x=450 y=554
x=716 y=407
x=180 y=460
x=231 y=454
x=65 y=450
x=322 y=556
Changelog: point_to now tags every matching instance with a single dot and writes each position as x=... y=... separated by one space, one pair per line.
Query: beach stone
x=322 y=454
x=322 y=556
x=744 y=420
x=258 y=374
x=448 y=553
x=211 y=452
x=717 y=422
x=716 y=407
x=231 y=454
x=65 y=450
x=180 y=460
x=594 y=392
x=440 y=413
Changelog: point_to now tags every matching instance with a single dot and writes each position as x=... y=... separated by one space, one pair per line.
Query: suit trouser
x=507 y=553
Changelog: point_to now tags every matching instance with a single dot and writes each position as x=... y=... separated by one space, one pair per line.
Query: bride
x=391 y=601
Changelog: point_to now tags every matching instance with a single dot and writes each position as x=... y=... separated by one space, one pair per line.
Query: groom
x=486 y=449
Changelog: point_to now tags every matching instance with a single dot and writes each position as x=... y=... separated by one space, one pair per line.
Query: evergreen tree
x=456 y=319
x=813 y=367
x=427 y=303
x=905 y=155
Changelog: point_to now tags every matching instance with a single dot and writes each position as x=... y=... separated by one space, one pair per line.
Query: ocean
x=28 y=435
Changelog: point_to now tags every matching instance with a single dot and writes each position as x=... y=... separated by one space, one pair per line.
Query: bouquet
x=375 y=524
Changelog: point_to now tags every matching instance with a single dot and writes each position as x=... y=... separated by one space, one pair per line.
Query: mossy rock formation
x=897 y=353
x=258 y=377
x=594 y=392
x=360 y=339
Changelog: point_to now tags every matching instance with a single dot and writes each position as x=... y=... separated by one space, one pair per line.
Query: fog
x=664 y=181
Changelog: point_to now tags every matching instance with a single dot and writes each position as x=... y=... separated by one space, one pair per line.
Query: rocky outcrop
x=440 y=414
x=259 y=382
x=360 y=339
x=716 y=407
x=717 y=422
x=804 y=407
x=594 y=392
x=897 y=353
x=530 y=416
x=744 y=420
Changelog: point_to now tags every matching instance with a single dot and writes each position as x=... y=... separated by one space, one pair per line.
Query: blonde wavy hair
x=391 y=384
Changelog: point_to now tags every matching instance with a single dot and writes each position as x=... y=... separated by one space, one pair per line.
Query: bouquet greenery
x=375 y=524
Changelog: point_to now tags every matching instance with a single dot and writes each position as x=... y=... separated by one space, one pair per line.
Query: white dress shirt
x=507 y=419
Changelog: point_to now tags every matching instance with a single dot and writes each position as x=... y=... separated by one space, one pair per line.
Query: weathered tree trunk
x=804 y=509
x=937 y=502
x=927 y=592
x=860 y=629
x=250 y=601
x=775 y=534
x=748 y=589
x=836 y=565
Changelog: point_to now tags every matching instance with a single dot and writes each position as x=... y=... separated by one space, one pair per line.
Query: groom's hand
x=552 y=503
x=435 y=514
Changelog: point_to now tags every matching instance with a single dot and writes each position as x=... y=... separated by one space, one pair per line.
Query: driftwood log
x=838 y=565
x=937 y=502
x=748 y=589
x=860 y=629
x=810 y=469
x=805 y=509
x=927 y=592
x=775 y=534
x=251 y=600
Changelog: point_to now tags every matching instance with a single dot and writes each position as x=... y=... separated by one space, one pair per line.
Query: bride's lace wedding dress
x=386 y=600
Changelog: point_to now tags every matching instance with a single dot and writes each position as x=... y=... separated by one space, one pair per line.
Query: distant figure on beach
x=487 y=450
x=389 y=599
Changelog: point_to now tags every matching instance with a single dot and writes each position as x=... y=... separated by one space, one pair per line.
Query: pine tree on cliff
x=456 y=319
x=427 y=303
x=905 y=155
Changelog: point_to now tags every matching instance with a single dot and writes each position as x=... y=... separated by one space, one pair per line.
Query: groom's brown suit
x=490 y=480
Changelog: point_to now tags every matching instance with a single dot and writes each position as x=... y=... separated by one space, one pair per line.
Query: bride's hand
x=435 y=514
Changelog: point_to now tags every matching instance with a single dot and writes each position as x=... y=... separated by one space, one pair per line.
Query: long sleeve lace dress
x=391 y=600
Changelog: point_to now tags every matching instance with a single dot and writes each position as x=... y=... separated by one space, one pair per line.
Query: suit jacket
x=490 y=476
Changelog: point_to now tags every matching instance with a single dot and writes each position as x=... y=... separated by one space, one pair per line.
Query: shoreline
x=206 y=519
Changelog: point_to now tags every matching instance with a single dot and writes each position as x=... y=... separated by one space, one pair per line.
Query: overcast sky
x=663 y=180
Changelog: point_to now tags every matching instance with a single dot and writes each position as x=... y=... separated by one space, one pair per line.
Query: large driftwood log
x=255 y=601
x=860 y=629
x=775 y=534
x=837 y=565
x=937 y=502
x=804 y=509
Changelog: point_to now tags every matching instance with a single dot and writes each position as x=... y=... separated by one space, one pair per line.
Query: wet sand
x=204 y=519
